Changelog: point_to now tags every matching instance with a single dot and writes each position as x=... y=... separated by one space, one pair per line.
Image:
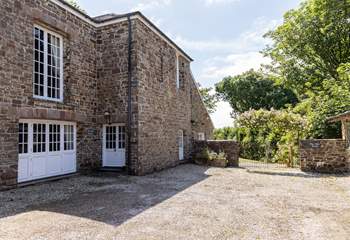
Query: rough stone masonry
x=95 y=75
x=325 y=156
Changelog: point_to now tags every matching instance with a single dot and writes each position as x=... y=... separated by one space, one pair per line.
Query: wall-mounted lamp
x=108 y=117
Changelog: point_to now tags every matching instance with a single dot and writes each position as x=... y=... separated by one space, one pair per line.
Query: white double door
x=114 y=142
x=46 y=149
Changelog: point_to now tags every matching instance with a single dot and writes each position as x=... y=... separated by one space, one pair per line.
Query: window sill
x=48 y=99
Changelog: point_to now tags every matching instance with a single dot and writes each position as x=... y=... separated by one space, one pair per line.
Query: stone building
x=78 y=92
x=328 y=155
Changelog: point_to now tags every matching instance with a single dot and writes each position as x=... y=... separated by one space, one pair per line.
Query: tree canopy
x=311 y=55
x=254 y=90
x=308 y=80
x=210 y=99
x=311 y=44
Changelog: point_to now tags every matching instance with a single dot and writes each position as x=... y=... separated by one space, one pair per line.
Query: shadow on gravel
x=296 y=174
x=111 y=200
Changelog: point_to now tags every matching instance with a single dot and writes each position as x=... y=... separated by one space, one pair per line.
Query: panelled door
x=181 y=145
x=114 y=141
x=46 y=149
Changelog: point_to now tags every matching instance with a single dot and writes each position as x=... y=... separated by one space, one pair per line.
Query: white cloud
x=217 y=68
x=150 y=4
x=156 y=21
x=247 y=41
x=222 y=117
x=211 y=2
x=222 y=67
x=232 y=57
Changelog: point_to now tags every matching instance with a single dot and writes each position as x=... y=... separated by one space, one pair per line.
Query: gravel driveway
x=186 y=202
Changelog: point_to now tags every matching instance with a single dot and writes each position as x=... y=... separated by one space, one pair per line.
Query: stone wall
x=230 y=148
x=112 y=80
x=16 y=79
x=324 y=156
x=96 y=81
x=163 y=109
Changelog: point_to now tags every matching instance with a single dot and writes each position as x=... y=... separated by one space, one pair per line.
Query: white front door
x=181 y=145
x=114 y=139
x=46 y=149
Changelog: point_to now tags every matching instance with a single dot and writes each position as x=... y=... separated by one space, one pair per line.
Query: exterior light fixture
x=108 y=117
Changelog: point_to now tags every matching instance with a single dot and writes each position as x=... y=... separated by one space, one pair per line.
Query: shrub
x=211 y=158
x=270 y=134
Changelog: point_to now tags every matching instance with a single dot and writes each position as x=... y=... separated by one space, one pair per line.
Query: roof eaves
x=137 y=13
x=339 y=117
x=163 y=34
x=76 y=9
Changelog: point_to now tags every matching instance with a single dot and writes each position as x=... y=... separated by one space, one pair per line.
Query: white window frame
x=71 y=143
x=177 y=71
x=45 y=97
x=201 y=136
x=30 y=142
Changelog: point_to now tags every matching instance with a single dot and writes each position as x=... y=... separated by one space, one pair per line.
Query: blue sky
x=224 y=37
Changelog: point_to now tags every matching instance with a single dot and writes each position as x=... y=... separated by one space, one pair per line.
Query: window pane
x=68 y=137
x=54 y=137
x=23 y=138
x=47 y=70
x=38 y=61
x=39 y=138
x=53 y=67
x=121 y=137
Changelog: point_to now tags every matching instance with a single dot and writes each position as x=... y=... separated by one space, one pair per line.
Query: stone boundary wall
x=231 y=149
x=324 y=156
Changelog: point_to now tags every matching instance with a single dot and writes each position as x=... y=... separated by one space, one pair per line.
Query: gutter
x=129 y=92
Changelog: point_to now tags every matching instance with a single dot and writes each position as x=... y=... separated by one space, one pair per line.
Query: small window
x=39 y=138
x=68 y=137
x=23 y=138
x=54 y=138
x=48 y=61
x=177 y=72
x=201 y=136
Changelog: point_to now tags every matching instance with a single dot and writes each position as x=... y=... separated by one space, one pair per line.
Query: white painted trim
x=107 y=23
x=117 y=125
x=77 y=14
x=201 y=136
x=177 y=72
x=45 y=97
x=28 y=157
x=181 y=145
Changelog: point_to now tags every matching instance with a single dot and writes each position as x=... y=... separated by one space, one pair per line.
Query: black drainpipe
x=129 y=95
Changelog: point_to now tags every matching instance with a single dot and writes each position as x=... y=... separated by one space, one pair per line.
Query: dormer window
x=48 y=65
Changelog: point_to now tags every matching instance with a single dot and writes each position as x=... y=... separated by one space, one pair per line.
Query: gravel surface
x=186 y=202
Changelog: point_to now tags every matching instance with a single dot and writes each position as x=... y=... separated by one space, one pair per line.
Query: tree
x=210 y=99
x=311 y=54
x=226 y=133
x=74 y=3
x=333 y=100
x=254 y=90
x=270 y=134
x=311 y=44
